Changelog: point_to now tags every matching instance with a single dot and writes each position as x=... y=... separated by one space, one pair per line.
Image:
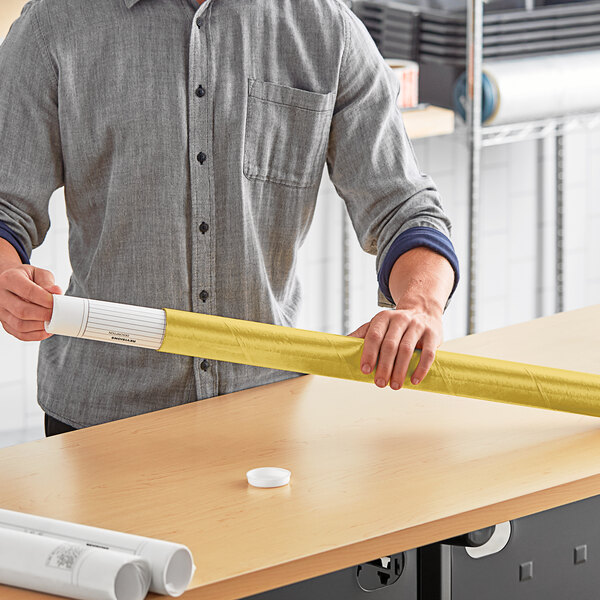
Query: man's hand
x=420 y=283
x=25 y=296
x=390 y=340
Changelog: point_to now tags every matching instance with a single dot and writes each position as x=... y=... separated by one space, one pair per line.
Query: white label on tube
x=107 y=322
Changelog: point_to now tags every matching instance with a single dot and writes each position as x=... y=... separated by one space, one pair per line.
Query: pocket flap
x=283 y=94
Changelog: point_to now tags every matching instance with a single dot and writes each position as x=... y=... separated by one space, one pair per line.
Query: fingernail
x=415 y=380
x=366 y=369
x=395 y=385
x=380 y=382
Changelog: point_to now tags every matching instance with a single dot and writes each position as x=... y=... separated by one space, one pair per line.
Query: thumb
x=45 y=279
x=361 y=331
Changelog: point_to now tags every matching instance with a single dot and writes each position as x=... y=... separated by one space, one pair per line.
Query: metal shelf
x=479 y=137
x=494 y=135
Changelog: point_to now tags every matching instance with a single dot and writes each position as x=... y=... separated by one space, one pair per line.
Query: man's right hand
x=25 y=296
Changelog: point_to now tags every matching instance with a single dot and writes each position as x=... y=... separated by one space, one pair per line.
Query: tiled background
x=508 y=291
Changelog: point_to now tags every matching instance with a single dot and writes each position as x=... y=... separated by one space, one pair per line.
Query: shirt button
x=200 y=91
x=201 y=157
x=204 y=365
x=203 y=295
x=203 y=227
x=199 y=22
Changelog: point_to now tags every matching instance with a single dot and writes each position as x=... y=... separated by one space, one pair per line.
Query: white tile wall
x=508 y=255
x=320 y=262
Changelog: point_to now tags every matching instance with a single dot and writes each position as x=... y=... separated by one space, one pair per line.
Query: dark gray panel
x=419 y=32
x=552 y=555
x=343 y=585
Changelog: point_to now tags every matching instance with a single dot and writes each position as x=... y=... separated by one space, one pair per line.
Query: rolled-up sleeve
x=30 y=151
x=370 y=159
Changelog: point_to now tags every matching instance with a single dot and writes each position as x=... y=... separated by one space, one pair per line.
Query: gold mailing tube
x=288 y=349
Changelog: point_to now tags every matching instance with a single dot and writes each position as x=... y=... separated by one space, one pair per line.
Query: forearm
x=421 y=279
x=9 y=257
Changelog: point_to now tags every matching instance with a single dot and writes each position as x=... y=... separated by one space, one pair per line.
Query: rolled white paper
x=171 y=565
x=407 y=72
x=107 y=322
x=544 y=86
x=70 y=569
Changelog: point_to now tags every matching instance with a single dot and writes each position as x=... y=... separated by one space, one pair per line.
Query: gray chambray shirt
x=191 y=141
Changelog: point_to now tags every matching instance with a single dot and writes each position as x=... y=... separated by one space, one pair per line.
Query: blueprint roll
x=529 y=89
x=70 y=569
x=170 y=565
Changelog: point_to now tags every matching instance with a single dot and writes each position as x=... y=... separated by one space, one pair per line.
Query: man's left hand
x=390 y=340
x=420 y=282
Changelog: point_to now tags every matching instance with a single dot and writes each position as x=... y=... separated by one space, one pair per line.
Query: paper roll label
x=107 y=322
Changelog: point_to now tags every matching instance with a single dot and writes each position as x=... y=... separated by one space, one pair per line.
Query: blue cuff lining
x=8 y=234
x=413 y=238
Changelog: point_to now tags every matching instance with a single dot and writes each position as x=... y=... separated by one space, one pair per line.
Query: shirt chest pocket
x=286 y=133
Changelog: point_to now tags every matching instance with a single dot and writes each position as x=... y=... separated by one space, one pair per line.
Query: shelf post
x=474 y=134
x=346 y=272
x=559 y=226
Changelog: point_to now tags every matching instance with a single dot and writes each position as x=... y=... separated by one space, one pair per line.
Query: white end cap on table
x=268 y=477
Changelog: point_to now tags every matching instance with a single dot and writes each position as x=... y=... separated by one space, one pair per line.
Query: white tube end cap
x=268 y=477
x=68 y=314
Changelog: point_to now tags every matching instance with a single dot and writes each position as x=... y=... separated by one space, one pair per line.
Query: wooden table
x=373 y=471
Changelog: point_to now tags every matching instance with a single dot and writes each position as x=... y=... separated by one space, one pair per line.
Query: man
x=190 y=141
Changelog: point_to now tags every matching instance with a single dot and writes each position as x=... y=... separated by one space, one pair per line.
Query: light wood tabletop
x=373 y=471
